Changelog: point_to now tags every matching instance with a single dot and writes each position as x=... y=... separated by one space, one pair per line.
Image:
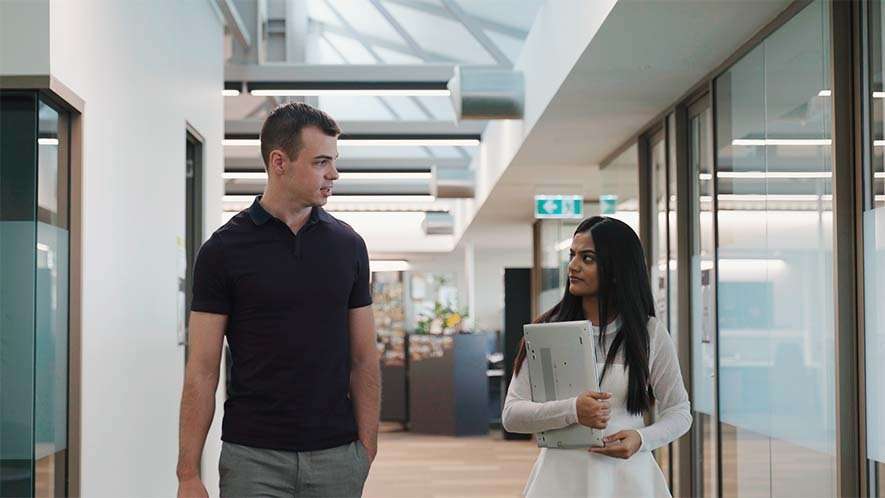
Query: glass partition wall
x=34 y=315
x=776 y=323
x=873 y=220
x=703 y=300
x=759 y=308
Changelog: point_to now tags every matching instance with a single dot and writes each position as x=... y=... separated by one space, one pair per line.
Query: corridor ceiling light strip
x=244 y=176
x=384 y=176
x=775 y=197
x=343 y=199
x=366 y=92
x=353 y=207
x=242 y=142
x=249 y=175
x=388 y=265
x=829 y=93
x=345 y=210
x=47 y=141
x=349 y=142
x=381 y=198
x=230 y=93
x=760 y=175
x=781 y=141
x=417 y=142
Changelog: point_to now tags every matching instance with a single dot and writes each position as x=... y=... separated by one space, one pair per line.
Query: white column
x=296 y=31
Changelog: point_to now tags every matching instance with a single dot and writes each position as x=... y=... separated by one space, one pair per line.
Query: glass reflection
x=775 y=300
x=555 y=240
x=660 y=259
x=619 y=181
x=703 y=279
x=51 y=333
x=874 y=255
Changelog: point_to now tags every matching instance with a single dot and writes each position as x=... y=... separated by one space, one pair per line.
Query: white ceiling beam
x=359 y=37
x=235 y=23
x=342 y=187
x=358 y=164
x=343 y=57
x=253 y=127
x=401 y=31
x=355 y=73
x=434 y=10
x=382 y=43
x=477 y=32
x=356 y=34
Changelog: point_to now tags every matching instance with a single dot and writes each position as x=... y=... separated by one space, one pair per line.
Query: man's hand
x=623 y=444
x=192 y=488
x=593 y=409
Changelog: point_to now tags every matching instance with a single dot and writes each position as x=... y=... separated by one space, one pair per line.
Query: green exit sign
x=559 y=206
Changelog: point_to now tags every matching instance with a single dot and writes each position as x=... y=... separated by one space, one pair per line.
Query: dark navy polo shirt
x=287 y=299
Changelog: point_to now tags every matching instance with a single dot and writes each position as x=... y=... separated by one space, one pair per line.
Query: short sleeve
x=360 y=293
x=211 y=292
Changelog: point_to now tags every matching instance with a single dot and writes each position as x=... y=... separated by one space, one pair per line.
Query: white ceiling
x=644 y=57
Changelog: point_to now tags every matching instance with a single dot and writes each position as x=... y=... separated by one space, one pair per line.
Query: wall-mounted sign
x=559 y=206
x=608 y=204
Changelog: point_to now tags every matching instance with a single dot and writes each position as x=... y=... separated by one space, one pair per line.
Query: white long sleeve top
x=672 y=408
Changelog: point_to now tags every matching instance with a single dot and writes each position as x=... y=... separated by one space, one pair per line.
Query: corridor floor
x=420 y=466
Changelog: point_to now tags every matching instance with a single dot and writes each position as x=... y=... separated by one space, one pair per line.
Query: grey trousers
x=248 y=472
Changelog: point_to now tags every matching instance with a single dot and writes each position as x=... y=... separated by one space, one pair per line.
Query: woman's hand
x=593 y=409
x=623 y=444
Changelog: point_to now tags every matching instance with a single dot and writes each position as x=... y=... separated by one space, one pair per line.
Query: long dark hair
x=624 y=290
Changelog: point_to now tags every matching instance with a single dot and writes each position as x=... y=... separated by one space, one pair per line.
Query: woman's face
x=582 y=271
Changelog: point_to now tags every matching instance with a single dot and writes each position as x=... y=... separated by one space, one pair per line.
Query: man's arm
x=206 y=337
x=365 y=376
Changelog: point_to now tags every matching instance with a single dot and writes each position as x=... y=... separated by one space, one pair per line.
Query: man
x=289 y=285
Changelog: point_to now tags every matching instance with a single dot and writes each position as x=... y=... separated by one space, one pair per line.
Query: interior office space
x=742 y=140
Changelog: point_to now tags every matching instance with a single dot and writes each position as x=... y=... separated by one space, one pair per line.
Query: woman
x=608 y=285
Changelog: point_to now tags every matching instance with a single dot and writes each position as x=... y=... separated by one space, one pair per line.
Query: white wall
x=490 y=265
x=144 y=69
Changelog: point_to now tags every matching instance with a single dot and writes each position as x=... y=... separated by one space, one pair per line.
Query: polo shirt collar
x=322 y=215
x=257 y=212
x=260 y=216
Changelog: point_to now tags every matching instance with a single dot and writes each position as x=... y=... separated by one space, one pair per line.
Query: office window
x=775 y=299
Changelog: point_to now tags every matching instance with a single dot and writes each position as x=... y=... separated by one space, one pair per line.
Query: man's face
x=308 y=178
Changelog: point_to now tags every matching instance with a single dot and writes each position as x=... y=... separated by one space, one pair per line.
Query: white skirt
x=581 y=474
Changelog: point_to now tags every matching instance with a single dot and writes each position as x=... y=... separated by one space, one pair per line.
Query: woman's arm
x=672 y=407
x=523 y=415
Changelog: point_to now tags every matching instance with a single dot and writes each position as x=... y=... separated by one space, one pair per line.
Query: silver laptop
x=562 y=364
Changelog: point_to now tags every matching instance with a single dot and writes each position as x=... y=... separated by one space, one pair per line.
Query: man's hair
x=282 y=129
